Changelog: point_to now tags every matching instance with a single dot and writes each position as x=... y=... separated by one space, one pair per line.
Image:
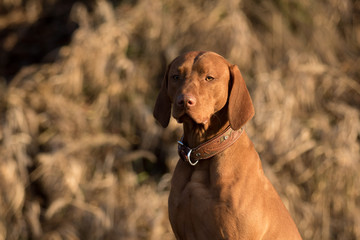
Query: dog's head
x=197 y=85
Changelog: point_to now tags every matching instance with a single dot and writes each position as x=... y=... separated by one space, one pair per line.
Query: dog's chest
x=197 y=210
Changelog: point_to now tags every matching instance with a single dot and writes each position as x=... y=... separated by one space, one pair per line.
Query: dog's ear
x=162 y=109
x=240 y=106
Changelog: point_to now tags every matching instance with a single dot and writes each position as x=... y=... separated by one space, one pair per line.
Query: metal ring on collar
x=188 y=158
x=188 y=154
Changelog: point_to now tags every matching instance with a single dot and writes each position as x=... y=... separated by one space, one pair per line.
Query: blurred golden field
x=81 y=156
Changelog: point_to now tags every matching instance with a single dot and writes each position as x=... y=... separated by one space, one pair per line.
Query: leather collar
x=209 y=148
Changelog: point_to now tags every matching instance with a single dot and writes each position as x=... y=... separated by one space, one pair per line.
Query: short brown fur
x=227 y=196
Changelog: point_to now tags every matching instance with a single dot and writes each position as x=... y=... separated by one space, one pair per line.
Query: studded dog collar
x=209 y=148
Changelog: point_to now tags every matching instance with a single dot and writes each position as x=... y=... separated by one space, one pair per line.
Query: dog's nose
x=184 y=100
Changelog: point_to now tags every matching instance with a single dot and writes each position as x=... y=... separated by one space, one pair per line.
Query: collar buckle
x=185 y=153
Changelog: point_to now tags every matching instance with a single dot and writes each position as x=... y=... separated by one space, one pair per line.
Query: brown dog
x=218 y=190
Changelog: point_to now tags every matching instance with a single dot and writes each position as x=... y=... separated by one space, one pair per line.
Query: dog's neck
x=195 y=134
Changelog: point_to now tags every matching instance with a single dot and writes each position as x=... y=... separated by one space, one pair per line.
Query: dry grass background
x=81 y=156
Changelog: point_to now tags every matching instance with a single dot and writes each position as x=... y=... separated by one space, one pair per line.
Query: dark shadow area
x=40 y=41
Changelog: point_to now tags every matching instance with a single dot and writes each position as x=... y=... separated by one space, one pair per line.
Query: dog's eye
x=209 y=78
x=176 y=77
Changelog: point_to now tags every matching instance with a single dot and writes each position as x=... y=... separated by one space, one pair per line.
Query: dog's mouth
x=186 y=117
